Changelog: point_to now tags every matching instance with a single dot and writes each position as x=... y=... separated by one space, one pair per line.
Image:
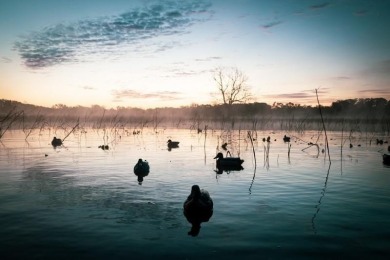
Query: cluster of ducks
x=198 y=207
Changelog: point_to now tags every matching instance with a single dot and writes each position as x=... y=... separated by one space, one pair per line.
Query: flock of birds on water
x=198 y=207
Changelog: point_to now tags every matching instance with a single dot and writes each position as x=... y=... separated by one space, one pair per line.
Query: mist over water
x=78 y=200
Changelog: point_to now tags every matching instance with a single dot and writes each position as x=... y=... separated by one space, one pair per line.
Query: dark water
x=83 y=202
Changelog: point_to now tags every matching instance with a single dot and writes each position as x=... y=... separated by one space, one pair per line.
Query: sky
x=150 y=53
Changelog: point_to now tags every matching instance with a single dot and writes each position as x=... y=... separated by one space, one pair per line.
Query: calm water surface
x=83 y=202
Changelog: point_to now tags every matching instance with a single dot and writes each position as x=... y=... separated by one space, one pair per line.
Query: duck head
x=219 y=156
x=195 y=191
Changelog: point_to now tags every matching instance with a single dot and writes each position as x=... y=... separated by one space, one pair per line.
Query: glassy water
x=79 y=201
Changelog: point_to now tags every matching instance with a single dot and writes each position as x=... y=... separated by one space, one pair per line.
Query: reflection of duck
x=141 y=169
x=197 y=208
x=173 y=144
x=228 y=162
x=56 y=142
x=386 y=159
x=286 y=139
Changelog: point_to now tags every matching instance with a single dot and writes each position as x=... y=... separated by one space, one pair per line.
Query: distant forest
x=368 y=114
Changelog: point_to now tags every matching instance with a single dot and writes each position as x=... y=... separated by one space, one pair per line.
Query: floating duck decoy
x=197 y=208
x=286 y=139
x=56 y=142
x=173 y=144
x=268 y=139
x=104 y=147
x=228 y=162
x=379 y=141
x=141 y=169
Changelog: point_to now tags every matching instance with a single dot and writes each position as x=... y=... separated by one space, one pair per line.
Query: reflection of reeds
x=266 y=155
x=318 y=206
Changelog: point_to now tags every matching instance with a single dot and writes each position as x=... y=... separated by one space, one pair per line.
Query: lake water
x=80 y=201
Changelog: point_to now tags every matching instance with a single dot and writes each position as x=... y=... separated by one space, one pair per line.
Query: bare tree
x=232 y=85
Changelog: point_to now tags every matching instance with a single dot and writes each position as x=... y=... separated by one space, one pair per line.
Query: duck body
x=286 y=139
x=141 y=169
x=198 y=208
x=228 y=162
x=172 y=144
x=56 y=142
x=386 y=159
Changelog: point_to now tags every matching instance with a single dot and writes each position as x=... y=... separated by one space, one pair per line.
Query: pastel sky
x=163 y=53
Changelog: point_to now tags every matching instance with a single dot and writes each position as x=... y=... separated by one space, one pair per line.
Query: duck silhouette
x=286 y=139
x=228 y=162
x=173 y=144
x=197 y=208
x=56 y=142
x=141 y=169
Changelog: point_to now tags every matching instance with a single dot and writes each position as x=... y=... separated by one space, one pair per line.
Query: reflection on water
x=80 y=201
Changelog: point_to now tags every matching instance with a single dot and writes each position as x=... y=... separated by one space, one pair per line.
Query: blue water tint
x=80 y=201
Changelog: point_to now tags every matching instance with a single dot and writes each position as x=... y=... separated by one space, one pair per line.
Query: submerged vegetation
x=352 y=115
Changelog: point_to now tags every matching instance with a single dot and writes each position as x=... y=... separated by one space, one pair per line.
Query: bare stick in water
x=323 y=125
x=71 y=130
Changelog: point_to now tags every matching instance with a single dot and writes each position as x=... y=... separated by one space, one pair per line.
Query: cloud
x=305 y=94
x=209 y=58
x=319 y=6
x=297 y=95
x=132 y=94
x=5 y=60
x=271 y=24
x=381 y=91
x=88 y=88
x=342 y=78
x=361 y=13
x=71 y=42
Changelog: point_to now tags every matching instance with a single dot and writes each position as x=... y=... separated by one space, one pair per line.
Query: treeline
x=290 y=116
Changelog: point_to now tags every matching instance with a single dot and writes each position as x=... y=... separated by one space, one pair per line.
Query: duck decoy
x=197 y=208
x=268 y=139
x=386 y=159
x=104 y=147
x=56 y=142
x=141 y=169
x=228 y=162
x=378 y=141
x=173 y=144
x=286 y=139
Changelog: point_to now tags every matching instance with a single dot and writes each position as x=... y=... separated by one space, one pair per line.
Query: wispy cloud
x=88 y=88
x=5 y=60
x=303 y=95
x=382 y=91
x=319 y=6
x=271 y=24
x=361 y=13
x=132 y=94
x=296 y=95
x=70 y=42
x=342 y=78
